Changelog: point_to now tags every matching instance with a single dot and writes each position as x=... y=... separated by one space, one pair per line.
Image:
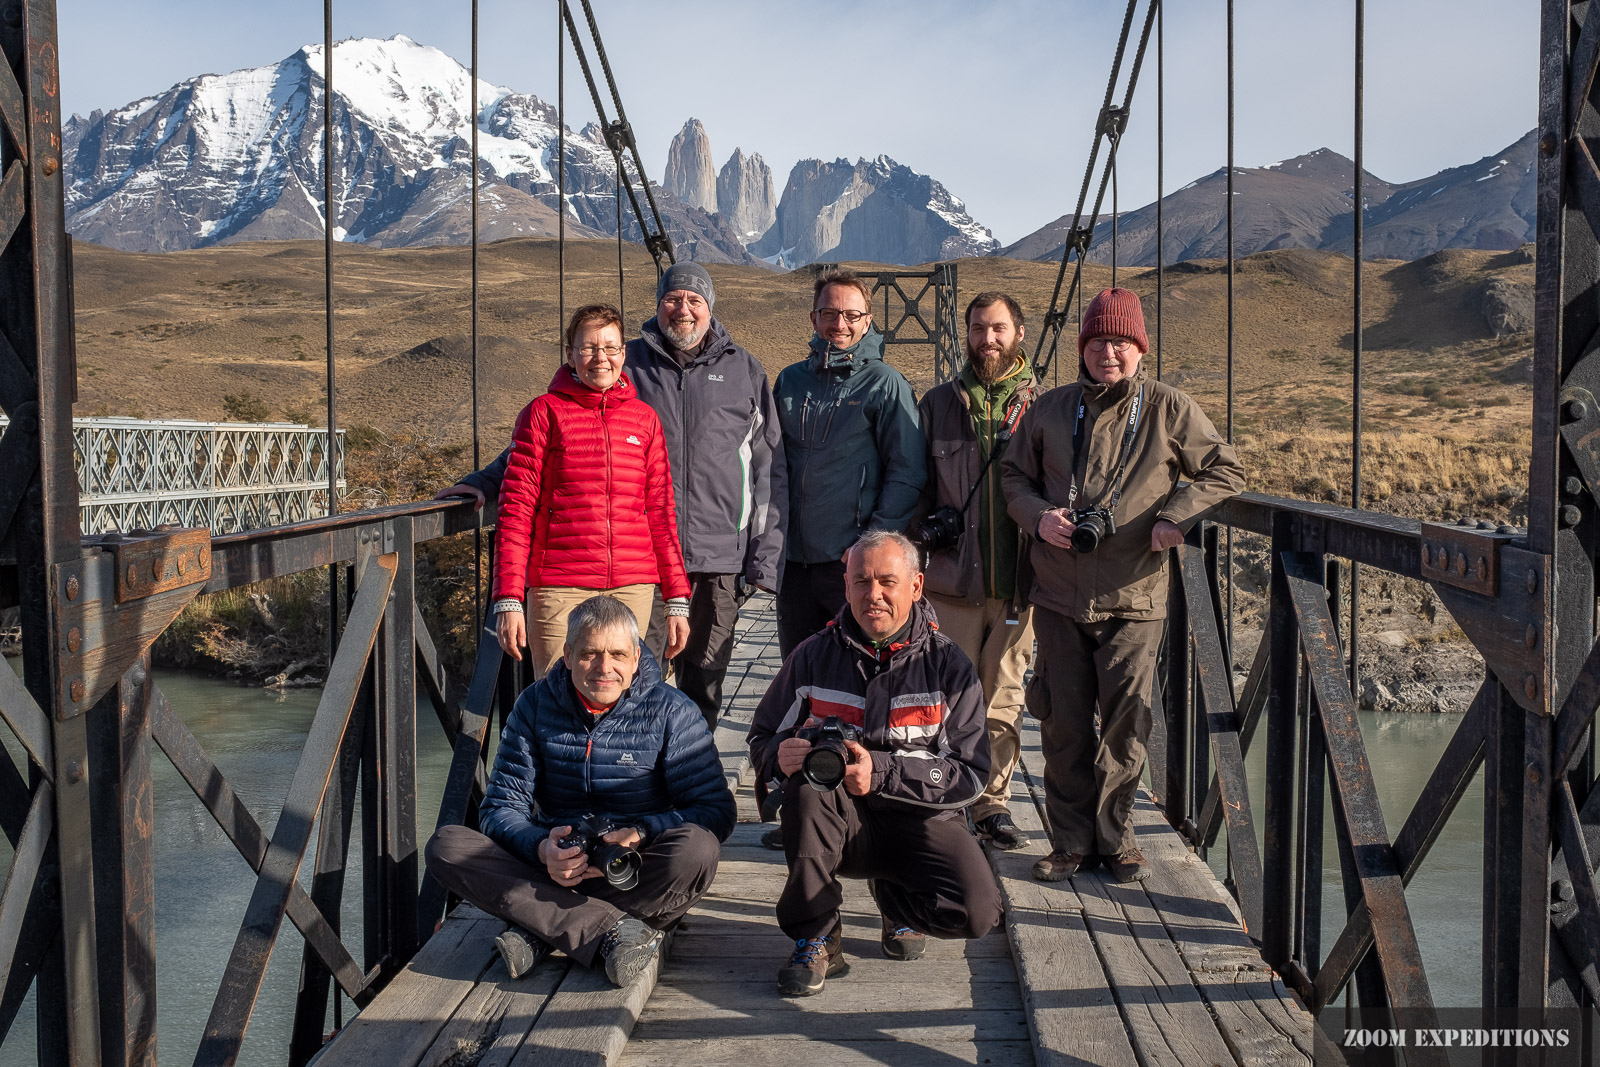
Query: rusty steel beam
x=235 y=1000
x=1356 y=804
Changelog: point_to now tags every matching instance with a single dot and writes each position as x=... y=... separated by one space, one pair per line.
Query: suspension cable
x=332 y=448
x=1111 y=162
x=1228 y=628
x=561 y=174
x=1161 y=162
x=477 y=458
x=619 y=138
x=1112 y=121
x=1356 y=250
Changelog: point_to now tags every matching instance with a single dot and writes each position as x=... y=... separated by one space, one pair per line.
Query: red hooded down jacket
x=587 y=498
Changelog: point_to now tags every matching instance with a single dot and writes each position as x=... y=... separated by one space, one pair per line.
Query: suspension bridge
x=1185 y=969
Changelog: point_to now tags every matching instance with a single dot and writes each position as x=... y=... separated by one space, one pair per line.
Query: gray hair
x=879 y=538
x=600 y=613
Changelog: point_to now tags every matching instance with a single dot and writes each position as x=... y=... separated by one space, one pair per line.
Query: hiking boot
x=815 y=960
x=1128 y=866
x=900 y=942
x=1001 y=831
x=773 y=839
x=521 y=950
x=628 y=949
x=1059 y=866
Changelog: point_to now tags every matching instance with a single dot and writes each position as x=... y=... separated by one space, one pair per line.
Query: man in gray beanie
x=729 y=478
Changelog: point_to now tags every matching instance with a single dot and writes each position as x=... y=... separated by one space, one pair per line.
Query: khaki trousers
x=549 y=606
x=1089 y=780
x=1002 y=652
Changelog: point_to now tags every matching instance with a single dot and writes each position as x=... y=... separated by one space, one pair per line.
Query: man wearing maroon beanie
x=1091 y=478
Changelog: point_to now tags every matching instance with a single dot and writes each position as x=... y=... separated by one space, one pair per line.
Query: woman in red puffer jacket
x=586 y=506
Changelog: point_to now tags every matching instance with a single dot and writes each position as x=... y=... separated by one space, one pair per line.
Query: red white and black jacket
x=919 y=706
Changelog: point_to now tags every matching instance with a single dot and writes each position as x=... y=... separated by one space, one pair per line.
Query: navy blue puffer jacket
x=649 y=762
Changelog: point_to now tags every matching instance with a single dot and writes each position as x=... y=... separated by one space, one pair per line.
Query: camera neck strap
x=1134 y=412
x=998 y=447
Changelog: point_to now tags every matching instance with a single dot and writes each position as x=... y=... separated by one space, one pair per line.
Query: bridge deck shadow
x=1083 y=972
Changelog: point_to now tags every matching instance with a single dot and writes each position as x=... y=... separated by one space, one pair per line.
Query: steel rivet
x=1533 y=580
x=1548 y=145
x=72 y=587
x=1483 y=569
x=1570 y=515
x=1530 y=689
x=1461 y=564
x=1561 y=890
x=74 y=771
x=1427 y=555
x=75 y=690
x=1531 y=637
x=183 y=564
x=204 y=555
x=1577 y=409
x=1573 y=485
x=1533 y=775
x=74 y=639
x=133 y=574
x=157 y=569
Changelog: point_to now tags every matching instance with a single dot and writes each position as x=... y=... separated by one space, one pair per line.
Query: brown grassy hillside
x=1447 y=404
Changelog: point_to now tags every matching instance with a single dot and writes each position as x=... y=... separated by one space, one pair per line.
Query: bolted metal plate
x=163 y=561
x=1510 y=629
x=1463 y=556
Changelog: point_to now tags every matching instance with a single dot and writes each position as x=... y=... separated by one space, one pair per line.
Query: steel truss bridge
x=77 y=910
x=137 y=474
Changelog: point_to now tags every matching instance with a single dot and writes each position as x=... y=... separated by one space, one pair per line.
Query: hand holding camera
x=828 y=754
x=593 y=847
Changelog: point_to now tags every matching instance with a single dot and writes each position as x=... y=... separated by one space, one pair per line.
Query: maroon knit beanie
x=1115 y=312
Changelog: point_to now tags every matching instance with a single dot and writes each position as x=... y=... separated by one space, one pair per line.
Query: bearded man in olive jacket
x=1117 y=442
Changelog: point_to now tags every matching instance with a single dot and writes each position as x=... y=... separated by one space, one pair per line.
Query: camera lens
x=824 y=767
x=620 y=865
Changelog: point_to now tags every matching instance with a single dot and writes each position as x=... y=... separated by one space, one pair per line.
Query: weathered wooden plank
x=770 y=941
x=398 y=1027
x=1072 y=1016
x=1259 y=1018
x=778 y=1025
x=824 y=1049
x=489 y=1025
x=759 y=967
x=926 y=996
x=1164 y=1011
x=588 y=1020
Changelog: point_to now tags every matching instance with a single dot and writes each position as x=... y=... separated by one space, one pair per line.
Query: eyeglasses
x=1117 y=344
x=692 y=300
x=610 y=351
x=834 y=315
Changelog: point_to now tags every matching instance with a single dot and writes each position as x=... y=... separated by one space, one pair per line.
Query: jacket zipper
x=683 y=452
x=611 y=557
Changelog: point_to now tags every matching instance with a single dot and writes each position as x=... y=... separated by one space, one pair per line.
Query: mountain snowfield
x=235 y=157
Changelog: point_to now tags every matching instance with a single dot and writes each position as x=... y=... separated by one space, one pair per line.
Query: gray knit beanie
x=689 y=276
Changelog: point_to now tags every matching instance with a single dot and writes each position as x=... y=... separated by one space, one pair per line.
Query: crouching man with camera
x=1092 y=478
x=875 y=729
x=603 y=817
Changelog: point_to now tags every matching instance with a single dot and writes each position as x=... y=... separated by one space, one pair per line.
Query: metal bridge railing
x=221 y=476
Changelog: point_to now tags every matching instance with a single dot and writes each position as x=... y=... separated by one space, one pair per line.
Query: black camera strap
x=1001 y=439
x=1128 y=435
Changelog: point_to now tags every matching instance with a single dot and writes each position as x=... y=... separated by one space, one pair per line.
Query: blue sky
x=995 y=99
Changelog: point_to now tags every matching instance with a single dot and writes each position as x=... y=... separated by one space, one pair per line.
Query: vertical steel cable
x=622 y=278
x=1356 y=251
x=561 y=172
x=1161 y=163
x=1229 y=626
x=477 y=458
x=1116 y=142
x=327 y=307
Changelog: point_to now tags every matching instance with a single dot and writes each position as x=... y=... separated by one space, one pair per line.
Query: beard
x=993 y=364
x=684 y=338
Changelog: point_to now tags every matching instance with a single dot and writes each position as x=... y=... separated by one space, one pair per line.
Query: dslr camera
x=1092 y=525
x=829 y=756
x=941 y=529
x=618 y=863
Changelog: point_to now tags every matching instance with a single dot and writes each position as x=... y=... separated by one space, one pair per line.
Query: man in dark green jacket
x=855 y=452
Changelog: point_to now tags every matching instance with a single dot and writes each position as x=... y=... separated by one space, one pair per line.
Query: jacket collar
x=847 y=632
x=1020 y=378
x=566 y=383
x=1104 y=396
x=825 y=357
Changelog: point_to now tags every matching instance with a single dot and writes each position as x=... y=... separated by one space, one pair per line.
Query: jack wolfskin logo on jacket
x=632 y=440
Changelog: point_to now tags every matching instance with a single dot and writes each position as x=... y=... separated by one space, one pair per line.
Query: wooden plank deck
x=1084 y=972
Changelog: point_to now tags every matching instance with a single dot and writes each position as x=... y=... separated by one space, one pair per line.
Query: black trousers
x=926 y=872
x=811 y=595
x=702 y=665
x=678 y=868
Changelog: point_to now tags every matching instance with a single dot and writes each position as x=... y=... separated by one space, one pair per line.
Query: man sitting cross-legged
x=919 y=755
x=599 y=736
